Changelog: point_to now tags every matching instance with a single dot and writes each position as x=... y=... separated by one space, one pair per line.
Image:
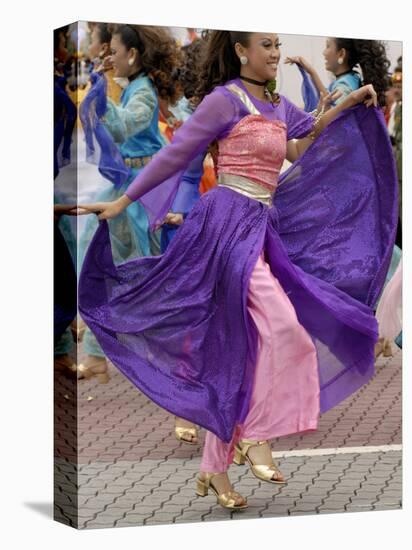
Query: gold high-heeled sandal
x=387 y=348
x=186 y=434
x=261 y=471
x=227 y=500
x=383 y=347
x=87 y=373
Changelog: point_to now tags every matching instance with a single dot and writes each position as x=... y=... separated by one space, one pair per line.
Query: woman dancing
x=258 y=316
x=342 y=57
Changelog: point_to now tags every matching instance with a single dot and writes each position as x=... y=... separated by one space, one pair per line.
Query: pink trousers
x=285 y=395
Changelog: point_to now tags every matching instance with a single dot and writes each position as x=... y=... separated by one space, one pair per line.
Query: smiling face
x=263 y=53
x=331 y=55
x=121 y=56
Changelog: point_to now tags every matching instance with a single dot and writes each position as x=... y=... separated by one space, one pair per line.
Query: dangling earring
x=131 y=61
x=243 y=59
x=340 y=61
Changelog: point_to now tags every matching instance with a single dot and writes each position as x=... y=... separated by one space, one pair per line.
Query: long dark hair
x=158 y=54
x=370 y=55
x=220 y=61
x=104 y=31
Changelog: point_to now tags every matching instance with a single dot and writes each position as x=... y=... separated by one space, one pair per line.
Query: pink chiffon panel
x=285 y=395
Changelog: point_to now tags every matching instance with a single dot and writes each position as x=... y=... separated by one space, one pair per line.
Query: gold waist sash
x=137 y=162
x=246 y=187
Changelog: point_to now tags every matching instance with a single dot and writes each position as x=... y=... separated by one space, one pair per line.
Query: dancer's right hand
x=105 y=210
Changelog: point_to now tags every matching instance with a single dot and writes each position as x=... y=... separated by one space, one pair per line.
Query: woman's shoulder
x=146 y=81
x=219 y=96
x=141 y=83
x=141 y=88
x=221 y=89
x=351 y=80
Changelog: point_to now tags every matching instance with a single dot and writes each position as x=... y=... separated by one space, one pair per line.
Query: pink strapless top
x=255 y=149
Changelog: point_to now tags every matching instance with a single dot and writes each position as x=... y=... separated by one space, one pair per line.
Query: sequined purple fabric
x=177 y=325
x=338 y=205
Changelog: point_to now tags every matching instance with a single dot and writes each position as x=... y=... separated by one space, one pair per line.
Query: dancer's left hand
x=104 y=210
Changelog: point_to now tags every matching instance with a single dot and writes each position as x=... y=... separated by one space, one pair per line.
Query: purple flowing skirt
x=177 y=325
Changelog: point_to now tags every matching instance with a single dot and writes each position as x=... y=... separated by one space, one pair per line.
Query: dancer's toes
x=185 y=431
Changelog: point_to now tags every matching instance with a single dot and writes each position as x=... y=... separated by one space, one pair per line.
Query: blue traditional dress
x=128 y=135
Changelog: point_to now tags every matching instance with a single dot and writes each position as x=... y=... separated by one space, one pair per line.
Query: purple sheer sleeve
x=299 y=123
x=156 y=185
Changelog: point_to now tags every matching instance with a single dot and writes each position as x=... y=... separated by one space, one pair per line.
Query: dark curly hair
x=158 y=54
x=371 y=56
x=220 y=62
x=189 y=73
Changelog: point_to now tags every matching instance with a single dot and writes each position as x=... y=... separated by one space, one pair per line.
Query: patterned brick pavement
x=130 y=470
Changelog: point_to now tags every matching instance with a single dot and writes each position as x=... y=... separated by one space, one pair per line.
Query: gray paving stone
x=184 y=493
x=348 y=483
x=359 y=508
x=139 y=513
x=372 y=484
x=154 y=501
x=392 y=499
x=392 y=486
x=102 y=523
x=162 y=519
x=362 y=500
x=136 y=459
x=66 y=490
x=385 y=507
x=109 y=516
x=368 y=492
x=355 y=477
x=327 y=481
x=310 y=500
x=276 y=509
x=189 y=518
x=121 y=506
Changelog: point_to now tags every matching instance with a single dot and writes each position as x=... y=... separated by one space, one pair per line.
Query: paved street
x=131 y=470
